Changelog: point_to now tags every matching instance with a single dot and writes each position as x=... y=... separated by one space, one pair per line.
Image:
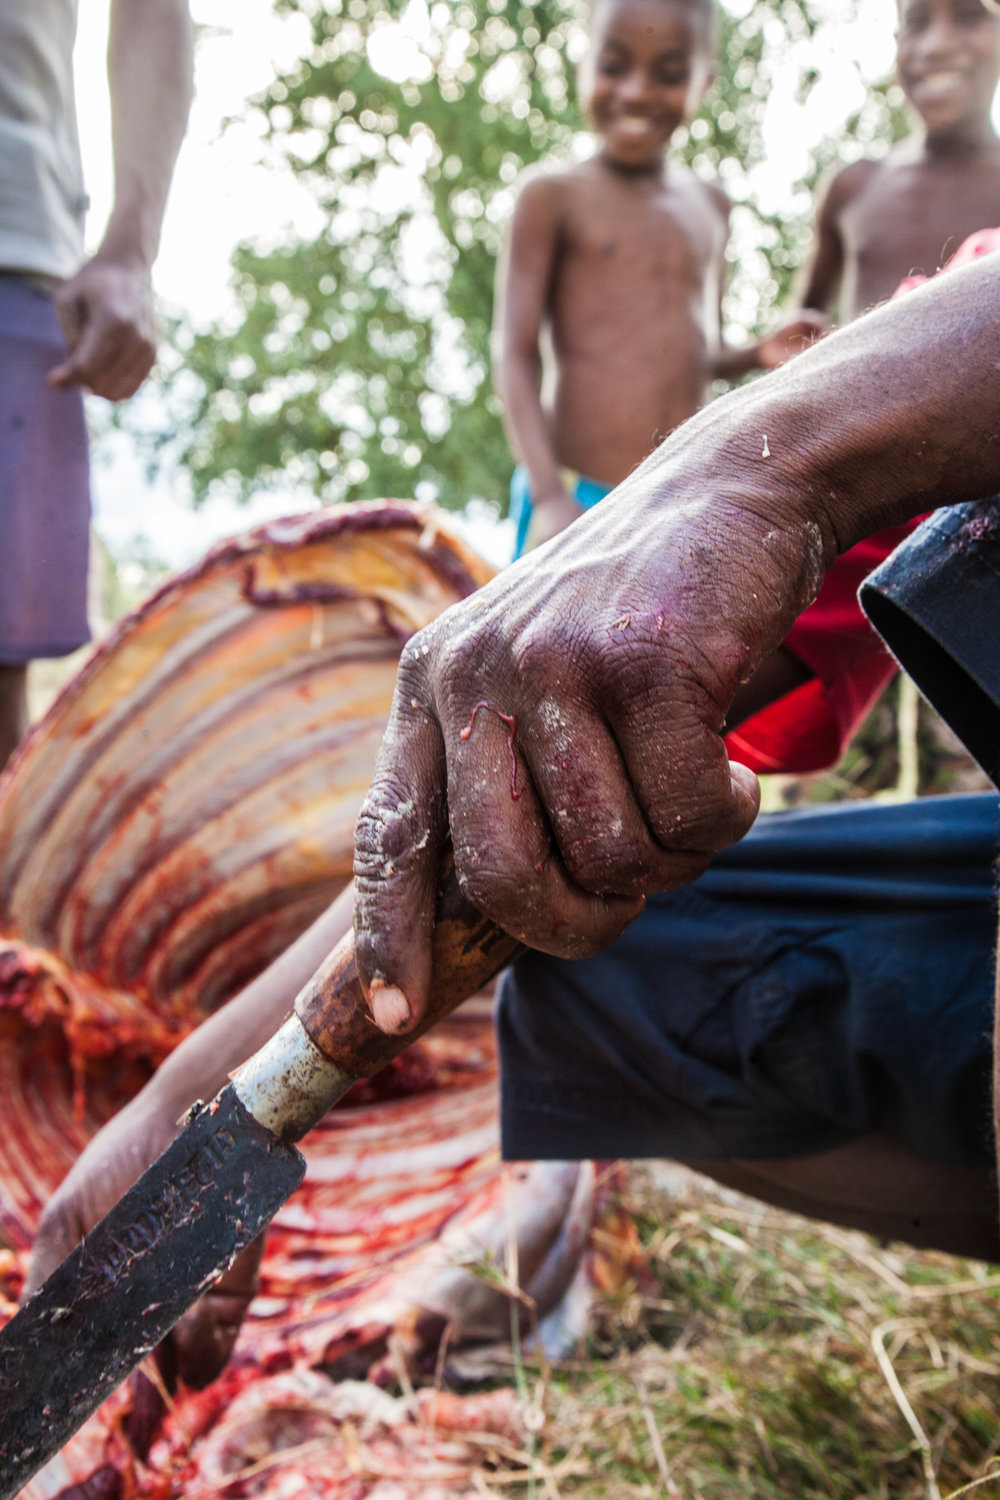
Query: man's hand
x=106 y=310
x=106 y=314
x=791 y=338
x=564 y=724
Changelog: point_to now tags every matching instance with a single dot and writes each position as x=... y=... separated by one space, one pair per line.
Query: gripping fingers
x=665 y=704
x=111 y=359
x=509 y=865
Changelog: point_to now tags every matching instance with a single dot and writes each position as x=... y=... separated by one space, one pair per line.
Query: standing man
x=66 y=323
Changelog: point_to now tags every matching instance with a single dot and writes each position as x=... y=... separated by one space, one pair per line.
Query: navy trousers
x=829 y=976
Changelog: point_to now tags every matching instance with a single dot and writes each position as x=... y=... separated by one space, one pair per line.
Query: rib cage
x=182 y=813
x=187 y=807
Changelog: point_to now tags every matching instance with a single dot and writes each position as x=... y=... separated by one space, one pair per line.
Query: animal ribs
x=181 y=814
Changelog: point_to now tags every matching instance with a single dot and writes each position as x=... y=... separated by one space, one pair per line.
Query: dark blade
x=121 y=1291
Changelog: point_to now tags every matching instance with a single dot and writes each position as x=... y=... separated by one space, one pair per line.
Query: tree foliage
x=357 y=362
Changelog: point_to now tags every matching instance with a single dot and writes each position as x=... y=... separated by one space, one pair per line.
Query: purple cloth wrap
x=44 y=486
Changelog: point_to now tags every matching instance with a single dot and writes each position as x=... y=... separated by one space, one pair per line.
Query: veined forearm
x=896 y=414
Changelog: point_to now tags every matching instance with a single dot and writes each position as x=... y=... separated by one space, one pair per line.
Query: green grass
x=748 y=1365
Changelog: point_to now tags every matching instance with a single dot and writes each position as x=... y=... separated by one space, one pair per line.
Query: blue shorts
x=829 y=976
x=586 y=492
x=44 y=485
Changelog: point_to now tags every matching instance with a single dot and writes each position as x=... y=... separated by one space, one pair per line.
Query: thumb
x=73 y=312
x=59 y=1232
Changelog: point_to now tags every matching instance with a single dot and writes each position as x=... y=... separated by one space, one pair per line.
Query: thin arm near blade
x=118 y=1294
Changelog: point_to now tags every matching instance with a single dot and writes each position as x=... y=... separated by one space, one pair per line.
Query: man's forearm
x=150 y=80
x=896 y=414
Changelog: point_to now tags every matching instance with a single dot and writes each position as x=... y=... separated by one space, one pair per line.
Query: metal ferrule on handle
x=330 y=1041
x=210 y=1194
x=289 y=1084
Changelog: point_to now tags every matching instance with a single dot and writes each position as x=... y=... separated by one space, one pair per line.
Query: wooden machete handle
x=467 y=949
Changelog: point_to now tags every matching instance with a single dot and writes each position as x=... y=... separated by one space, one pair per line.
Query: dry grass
x=772 y=1356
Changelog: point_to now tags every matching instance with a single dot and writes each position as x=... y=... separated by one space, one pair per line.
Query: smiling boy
x=617 y=264
x=880 y=221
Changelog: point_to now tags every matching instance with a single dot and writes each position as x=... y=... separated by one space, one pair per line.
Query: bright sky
x=220 y=194
x=223 y=194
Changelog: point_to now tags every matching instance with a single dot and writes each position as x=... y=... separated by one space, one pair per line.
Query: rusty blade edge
x=117 y=1295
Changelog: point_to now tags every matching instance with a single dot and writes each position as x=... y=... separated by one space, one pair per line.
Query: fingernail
x=744 y=780
x=390 y=1008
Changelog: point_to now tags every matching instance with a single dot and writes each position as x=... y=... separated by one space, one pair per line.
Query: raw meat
x=182 y=813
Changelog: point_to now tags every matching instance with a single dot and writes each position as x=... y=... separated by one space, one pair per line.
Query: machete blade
x=118 y=1294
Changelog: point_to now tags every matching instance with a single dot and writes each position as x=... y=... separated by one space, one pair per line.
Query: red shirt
x=810 y=728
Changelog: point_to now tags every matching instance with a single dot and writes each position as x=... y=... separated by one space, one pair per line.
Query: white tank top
x=42 y=198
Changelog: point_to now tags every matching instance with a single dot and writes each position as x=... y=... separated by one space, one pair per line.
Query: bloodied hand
x=565 y=723
x=564 y=726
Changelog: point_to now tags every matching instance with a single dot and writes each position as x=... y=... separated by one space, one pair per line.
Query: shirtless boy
x=883 y=220
x=618 y=264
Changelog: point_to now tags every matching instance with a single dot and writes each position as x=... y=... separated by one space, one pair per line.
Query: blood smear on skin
x=511 y=724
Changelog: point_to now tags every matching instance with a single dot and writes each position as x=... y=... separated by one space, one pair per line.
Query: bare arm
x=524 y=279
x=614 y=652
x=773 y=349
x=790 y=338
x=106 y=309
x=120 y=1153
x=819 y=286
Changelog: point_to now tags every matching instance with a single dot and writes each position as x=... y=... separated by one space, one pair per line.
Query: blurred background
x=326 y=272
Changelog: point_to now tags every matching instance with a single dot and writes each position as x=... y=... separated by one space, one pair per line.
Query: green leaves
x=358 y=362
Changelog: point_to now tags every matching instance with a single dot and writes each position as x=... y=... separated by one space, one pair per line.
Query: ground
x=774 y=1357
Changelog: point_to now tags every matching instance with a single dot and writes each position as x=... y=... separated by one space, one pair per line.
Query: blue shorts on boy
x=829 y=976
x=44 y=485
x=586 y=493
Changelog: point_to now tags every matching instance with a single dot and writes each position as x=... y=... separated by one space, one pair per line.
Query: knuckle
x=543 y=646
x=390 y=830
x=411 y=670
x=513 y=903
x=490 y=889
x=603 y=864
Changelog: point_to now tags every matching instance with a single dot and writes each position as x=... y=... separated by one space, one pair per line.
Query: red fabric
x=810 y=728
x=983 y=242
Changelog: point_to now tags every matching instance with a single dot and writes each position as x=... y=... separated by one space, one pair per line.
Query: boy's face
x=646 y=72
x=948 y=56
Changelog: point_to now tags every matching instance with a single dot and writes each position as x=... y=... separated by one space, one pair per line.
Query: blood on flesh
x=185 y=810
